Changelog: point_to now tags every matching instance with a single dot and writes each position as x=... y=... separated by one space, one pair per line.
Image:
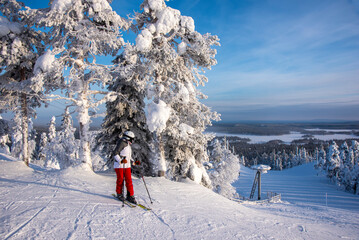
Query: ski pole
x=146 y=188
x=123 y=184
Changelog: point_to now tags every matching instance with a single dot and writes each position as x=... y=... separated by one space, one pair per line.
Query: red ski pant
x=128 y=179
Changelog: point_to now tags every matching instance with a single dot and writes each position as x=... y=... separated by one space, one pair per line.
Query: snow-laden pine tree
x=176 y=57
x=68 y=154
x=52 y=148
x=17 y=143
x=322 y=156
x=354 y=173
x=127 y=112
x=79 y=31
x=4 y=136
x=344 y=168
x=52 y=130
x=20 y=46
x=223 y=168
x=333 y=161
x=41 y=154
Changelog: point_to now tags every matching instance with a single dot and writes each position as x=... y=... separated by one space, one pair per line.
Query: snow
x=156 y=5
x=100 y=5
x=16 y=46
x=157 y=116
x=286 y=138
x=182 y=48
x=329 y=130
x=261 y=167
x=144 y=40
x=77 y=204
x=188 y=23
x=168 y=19
x=61 y=5
x=44 y=63
x=6 y=27
x=185 y=129
x=195 y=171
x=184 y=93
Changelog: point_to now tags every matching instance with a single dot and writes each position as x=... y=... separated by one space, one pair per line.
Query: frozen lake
x=287 y=138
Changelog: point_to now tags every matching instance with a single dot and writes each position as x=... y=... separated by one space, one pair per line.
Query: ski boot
x=131 y=199
x=120 y=197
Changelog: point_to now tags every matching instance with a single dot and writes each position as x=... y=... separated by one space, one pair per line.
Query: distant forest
x=278 y=128
x=275 y=153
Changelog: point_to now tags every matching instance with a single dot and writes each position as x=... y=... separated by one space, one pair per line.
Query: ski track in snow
x=74 y=204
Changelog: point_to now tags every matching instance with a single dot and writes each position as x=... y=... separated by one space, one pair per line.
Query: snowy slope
x=76 y=204
x=302 y=185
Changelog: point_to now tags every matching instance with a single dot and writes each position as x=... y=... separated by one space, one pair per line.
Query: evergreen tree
x=223 y=168
x=68 y=154
x=354 y=173
x=4 y=136
x=127 y=112
x=17 y=136
x=41 y=156
x=20 y=46
x=333 y=161
x=322 y=156
x=50 y=150
x=52 y=129
x=176 y=57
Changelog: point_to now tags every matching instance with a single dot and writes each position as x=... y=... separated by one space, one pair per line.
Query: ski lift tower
x=257 y=179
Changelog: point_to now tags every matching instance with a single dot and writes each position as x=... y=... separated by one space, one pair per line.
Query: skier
x=122 y=165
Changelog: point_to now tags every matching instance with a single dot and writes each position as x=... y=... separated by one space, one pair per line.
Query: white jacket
x=127 y=153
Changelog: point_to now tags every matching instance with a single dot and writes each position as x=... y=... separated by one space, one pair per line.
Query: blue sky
x=278 y=60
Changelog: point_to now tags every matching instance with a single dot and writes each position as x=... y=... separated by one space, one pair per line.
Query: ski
x=144 y=207
x=131 y=205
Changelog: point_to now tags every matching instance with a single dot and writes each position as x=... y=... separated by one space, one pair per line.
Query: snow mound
x=44 y=63
x=157 y=116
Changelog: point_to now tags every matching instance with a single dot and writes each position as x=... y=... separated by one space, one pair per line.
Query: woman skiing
x=122 y=165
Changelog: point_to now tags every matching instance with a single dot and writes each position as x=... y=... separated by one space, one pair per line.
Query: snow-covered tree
x=127 y=112
x=52 y=129
x=322 y=156
x=333 y=161
x=66 y=139
x=52 y=148
x=4 y=136
x=79 y=31
x=41 y=155
x=176 y=57
x=354 y=173
x=20 y=46
x=223 y=168
x=17 y=136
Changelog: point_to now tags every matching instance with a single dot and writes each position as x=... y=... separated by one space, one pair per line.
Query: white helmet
x=129 y=134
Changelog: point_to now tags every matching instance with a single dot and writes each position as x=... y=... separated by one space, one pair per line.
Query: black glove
x=137 y=162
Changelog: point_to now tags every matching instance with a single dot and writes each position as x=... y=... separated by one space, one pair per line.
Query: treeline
x=275 y=153
x=341 y=164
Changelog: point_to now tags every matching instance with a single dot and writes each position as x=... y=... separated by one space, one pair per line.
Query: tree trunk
x=161 y=156
x=84 y=121
x=25 y=122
